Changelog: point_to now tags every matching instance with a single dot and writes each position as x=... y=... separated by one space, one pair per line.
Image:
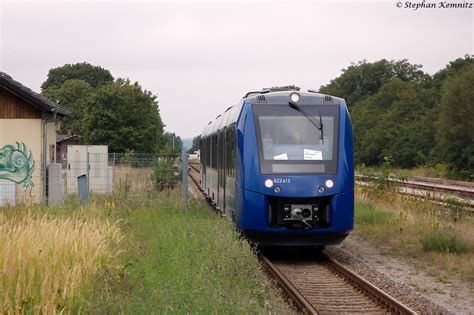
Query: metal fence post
x=88 y=169
x=184 y=163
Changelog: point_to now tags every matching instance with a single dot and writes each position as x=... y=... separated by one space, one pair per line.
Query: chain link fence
x=119 y=174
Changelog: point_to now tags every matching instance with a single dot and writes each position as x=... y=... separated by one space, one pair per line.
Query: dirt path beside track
x=402 y=278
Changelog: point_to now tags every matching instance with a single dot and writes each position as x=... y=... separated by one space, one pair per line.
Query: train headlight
x=329 y=183
x=269 y=183
x=294 y=97
x=277 y=189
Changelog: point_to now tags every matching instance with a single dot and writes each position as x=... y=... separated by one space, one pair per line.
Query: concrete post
x=184 y=163
x=55 y=184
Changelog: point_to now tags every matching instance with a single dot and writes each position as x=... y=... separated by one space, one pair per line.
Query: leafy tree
x=452 y=69
x=402 y=113
x=364 y=79
x=72 y=94
x=172 y=144
x=95 y=76
x=397 y=122
x=456 y=124
x=195 y=145
x=123 y=116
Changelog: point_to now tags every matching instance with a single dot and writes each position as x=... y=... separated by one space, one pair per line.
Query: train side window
x=208 y=153
x=214 y=151
x=219 y=152
x=233 y=151
x=227 y=152
x=200 y=148
x=230 y=151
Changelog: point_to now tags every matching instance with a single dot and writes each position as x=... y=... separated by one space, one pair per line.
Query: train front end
x=296 y=170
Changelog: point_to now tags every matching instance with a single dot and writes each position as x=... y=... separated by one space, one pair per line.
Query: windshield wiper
x=318 y=125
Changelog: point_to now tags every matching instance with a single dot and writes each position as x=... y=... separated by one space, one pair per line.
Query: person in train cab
x=297 y=137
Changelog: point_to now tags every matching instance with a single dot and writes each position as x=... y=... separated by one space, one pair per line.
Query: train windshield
x=289 y=143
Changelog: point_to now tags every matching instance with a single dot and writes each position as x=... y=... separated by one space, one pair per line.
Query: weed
x=444 y=241
x=165 y=174
x=368 y=214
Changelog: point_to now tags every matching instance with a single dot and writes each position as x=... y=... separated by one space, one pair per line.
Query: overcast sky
x=201 y=57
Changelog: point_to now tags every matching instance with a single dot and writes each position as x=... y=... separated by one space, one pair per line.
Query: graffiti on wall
x=16 y=164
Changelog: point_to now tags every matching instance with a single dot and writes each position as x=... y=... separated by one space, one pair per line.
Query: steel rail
x=422 y=190
x=297 y=298
x=383 y=298
x=462 y=191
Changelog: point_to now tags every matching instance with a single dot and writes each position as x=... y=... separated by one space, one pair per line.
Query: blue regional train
x=280 y=165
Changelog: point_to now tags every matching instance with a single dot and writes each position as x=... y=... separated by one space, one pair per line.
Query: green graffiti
x=16 y=165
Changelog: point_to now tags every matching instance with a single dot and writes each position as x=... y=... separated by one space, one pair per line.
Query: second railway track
x=316 y=284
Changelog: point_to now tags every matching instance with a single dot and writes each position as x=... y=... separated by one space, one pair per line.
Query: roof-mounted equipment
x=273 y=89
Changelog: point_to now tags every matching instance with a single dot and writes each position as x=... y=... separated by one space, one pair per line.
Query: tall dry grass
x=132 y=179
x=45 y=261
x=417 y=229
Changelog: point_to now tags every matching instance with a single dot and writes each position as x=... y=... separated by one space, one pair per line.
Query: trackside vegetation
x=135 y=256
x=184 y=261
x=417 y=230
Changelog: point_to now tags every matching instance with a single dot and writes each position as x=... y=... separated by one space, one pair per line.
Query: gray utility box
x=83 y=188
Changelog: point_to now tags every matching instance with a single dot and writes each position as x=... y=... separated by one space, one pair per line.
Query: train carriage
x=280 y=165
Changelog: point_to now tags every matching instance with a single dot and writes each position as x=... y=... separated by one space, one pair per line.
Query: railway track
x=320 y=285
x=441 y=191
x=456 y=188
x=194 y=174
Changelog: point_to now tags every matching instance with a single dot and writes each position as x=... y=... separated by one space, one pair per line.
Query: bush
x=445 y=241
x=166 y=173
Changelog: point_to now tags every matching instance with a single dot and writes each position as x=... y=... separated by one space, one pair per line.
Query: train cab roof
x=283 y=97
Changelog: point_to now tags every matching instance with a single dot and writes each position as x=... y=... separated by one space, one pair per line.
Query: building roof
x=61 y=138
x=30 y=96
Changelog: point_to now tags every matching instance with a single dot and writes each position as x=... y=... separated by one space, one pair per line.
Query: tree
x=397 y=122
x=123 y=116
x=95 y=76
x=452 y=69
x=72 y=94
x=455 y=127
x=364 y=79
x=195 y=145
x=172 y=144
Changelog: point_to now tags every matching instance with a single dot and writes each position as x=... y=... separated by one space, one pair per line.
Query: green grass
x=184 y=261
x=444 y=241
x=366 y=213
